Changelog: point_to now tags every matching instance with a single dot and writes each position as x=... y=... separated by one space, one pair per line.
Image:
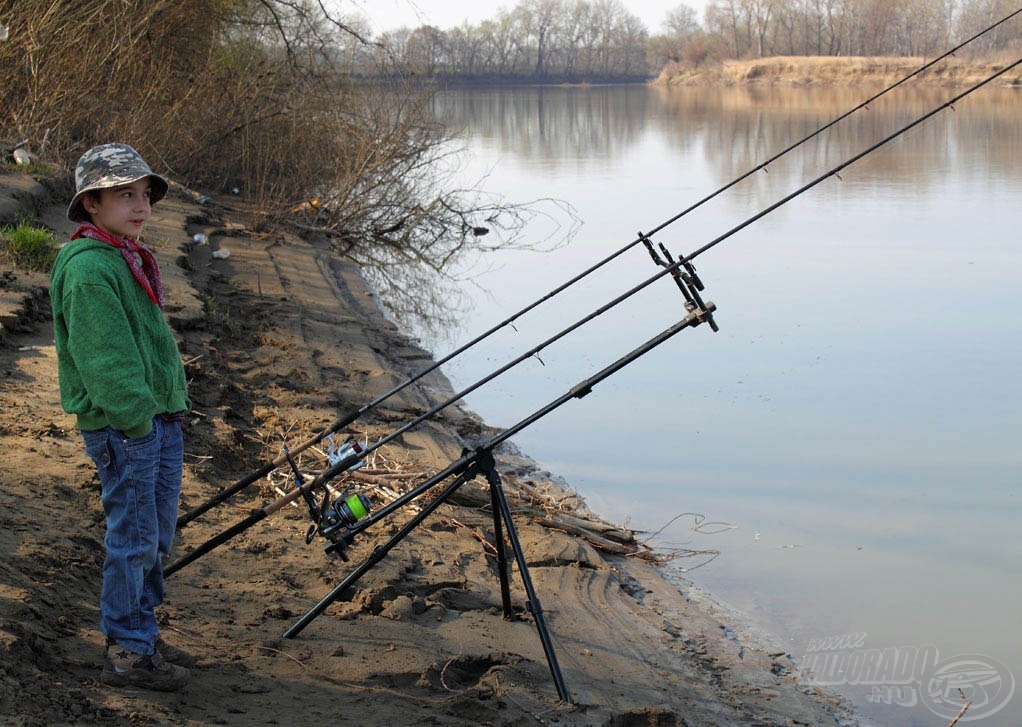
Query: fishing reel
x=337 y=519
x=333 y=520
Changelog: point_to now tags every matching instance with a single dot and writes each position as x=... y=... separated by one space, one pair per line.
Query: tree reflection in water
x=422 y=286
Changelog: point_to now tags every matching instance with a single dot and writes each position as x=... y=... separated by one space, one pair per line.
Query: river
x=847 y=443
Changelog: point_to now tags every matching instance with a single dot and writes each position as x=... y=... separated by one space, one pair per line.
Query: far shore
x=795 y=71
x=835 y=71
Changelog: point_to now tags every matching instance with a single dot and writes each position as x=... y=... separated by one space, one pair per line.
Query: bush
x=29 y=247
x=217 y=94
x=225 y=94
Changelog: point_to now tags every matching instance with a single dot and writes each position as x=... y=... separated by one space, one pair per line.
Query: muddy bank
x=281 y=338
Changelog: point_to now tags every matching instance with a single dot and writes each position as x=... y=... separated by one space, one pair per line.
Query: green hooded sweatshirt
x=118 y=362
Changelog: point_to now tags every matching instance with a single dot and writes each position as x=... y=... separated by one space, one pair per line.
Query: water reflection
x=558 y=125
x=417 y=297
x=738 y=128
x=743 y=127
x=430 y=299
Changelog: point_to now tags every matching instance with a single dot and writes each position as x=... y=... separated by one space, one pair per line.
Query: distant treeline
x=545 y=40
x=600 y=40
x=759 y=28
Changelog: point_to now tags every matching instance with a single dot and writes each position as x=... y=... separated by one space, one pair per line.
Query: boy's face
x=121 y=211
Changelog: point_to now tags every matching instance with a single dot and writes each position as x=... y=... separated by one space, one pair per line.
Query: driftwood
x=601 y=535
x=556 y=522
x=603 y=530
x=383 y=477
x=562 y=500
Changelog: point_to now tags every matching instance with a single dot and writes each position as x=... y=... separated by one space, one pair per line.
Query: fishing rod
x=672 y=268
x=643 y=238
x=353 y=456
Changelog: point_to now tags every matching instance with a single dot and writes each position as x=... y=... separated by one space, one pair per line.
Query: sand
x=282 y=339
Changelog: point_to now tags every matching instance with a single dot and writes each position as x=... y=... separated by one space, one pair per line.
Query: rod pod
x=468 y=467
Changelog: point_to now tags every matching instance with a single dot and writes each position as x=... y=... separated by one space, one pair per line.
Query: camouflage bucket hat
x=111 y=165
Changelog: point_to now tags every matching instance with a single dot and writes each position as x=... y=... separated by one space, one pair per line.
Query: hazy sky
x=444 y=14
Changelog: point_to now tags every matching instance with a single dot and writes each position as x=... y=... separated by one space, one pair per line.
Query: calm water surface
x=856 y=419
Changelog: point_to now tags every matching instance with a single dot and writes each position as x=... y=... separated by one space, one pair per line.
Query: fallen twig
x=961 y=713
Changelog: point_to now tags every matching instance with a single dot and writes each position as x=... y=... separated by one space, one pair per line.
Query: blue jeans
x=141 y=480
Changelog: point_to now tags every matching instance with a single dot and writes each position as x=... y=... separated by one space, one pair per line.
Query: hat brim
x=76 y=210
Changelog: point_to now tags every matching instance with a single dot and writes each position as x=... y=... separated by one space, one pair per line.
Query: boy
x=121 y=375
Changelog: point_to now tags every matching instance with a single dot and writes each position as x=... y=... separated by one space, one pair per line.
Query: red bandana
x=139 y=258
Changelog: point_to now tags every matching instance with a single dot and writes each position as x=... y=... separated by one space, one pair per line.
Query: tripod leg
x=502 y=565
x=497 y=494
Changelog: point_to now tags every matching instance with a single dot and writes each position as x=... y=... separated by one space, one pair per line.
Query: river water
x=849 y=441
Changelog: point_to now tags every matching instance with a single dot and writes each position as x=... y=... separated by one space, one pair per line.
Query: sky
x=390 y=14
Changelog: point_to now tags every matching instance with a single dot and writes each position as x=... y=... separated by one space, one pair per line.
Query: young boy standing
x=121 y=376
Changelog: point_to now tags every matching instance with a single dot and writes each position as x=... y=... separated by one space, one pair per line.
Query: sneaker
x=174 y=655
x=124 y=668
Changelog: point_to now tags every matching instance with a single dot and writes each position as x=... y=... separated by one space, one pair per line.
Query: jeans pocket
x=97 y=447
x=136 y=445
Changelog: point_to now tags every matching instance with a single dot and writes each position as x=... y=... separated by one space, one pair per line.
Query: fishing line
x=702 y=313
x=353 y=416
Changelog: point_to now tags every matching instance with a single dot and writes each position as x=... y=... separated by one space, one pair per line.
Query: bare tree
x=843 y=27
x=761 y=15
x=978 y=14
x=681 y=22
x=729 y=20
x=683 y=40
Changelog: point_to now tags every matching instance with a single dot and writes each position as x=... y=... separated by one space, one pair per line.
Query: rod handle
x=215 y=541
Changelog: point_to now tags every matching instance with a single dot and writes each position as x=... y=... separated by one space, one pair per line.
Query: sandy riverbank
x=843 y=71
x=280 y=339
